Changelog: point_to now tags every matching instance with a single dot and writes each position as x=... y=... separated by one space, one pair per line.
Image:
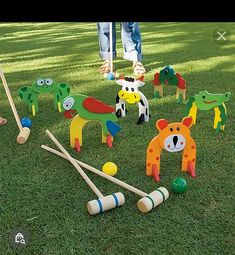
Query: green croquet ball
x=179 y=185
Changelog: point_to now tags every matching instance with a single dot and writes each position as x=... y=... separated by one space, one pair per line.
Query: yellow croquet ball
x=110 y=168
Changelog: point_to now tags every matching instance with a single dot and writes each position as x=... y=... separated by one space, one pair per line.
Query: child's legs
x=103 y=33
x=131 y=40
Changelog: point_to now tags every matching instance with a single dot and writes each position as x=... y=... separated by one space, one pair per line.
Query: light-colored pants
x=131 y=40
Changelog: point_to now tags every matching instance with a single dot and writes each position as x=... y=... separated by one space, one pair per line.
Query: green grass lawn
x=45 y=195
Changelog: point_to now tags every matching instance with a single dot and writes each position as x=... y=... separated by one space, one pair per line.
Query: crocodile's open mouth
x=209 y=102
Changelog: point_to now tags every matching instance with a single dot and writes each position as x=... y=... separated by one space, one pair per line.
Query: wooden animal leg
x=193 y=113
x=143 y=109
x=57 y=104
x=120 y=107
x=184 y=94
x=77 y=145
x=180 y=94
x=153 y=157
x=189 y=154
x=177 y=93
x=155 y=173
x=217 y=120
x=76 y=127
x=191 y=169
x=158 y=91
x=106 y=139
x=109 y=141
x=33 y=108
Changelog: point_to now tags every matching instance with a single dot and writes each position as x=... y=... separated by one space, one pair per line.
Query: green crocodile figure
x=29 y=95
x=205 y=101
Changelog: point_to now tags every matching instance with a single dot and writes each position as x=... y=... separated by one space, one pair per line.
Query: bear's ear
x=188 y=121
x=161 y=124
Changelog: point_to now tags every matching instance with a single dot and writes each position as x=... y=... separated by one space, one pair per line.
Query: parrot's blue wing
x=113 y=127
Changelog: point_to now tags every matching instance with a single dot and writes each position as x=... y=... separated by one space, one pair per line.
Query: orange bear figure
x=172 y=138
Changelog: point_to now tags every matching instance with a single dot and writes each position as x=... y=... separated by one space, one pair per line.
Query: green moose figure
x=168 y=76
x=29 y=95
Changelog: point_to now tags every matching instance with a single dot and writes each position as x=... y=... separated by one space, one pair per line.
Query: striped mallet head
x=153 y=199
x=105 y=203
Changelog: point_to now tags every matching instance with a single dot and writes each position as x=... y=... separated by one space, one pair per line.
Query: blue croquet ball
x=110 y=76
x=26 y=122
x=179 y=185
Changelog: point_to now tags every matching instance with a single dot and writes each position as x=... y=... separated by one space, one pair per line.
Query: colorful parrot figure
x=89 y=108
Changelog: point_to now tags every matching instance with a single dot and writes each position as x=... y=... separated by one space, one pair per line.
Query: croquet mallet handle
x=111 y=45
x=98 y=172
x=73 y=162
x=4 y=82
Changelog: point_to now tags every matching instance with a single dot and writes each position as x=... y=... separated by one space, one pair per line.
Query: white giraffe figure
x=130 y=94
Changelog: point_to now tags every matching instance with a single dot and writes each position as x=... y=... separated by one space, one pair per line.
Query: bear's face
x=173 y=137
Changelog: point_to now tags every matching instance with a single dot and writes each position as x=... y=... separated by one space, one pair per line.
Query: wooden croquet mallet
x=145 y=204
x=111 y=46
x=103 y=203
x=24 y=131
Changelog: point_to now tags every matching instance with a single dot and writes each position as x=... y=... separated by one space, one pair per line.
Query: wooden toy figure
x=172 y=138
x=87 y=109
x=29 y=95
x=130 y=94
x=168 y=76
x=206 y=101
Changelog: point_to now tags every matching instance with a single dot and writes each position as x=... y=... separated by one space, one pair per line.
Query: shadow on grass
x=35 y=183
x=66 y=53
